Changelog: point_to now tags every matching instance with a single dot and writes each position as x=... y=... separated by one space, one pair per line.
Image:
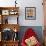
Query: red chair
x=29 y=33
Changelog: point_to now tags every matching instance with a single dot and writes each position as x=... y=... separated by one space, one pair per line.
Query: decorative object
x=15 y=37
x=13 y=12
x=30 y=13
x=6 y=21
x=7 y=34
x=15 y=3
x=5 y=12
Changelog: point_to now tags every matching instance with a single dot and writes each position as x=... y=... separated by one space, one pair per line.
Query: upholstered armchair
x=30 y=38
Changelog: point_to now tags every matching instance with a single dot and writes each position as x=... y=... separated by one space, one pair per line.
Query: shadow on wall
x=37 y=29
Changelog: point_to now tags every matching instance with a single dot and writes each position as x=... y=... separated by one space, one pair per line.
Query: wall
x=37 y=29
x=39 y=12
x=27 y=3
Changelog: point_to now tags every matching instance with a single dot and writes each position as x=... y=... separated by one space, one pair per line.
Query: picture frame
x=5 y=12
x=30 y=13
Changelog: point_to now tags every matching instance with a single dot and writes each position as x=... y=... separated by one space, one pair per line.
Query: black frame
x=31 y=18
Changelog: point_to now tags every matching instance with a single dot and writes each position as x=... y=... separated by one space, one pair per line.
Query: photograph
x=30 y=13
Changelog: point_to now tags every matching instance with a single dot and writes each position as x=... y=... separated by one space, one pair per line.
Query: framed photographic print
x=5 y=12
x=30 y=13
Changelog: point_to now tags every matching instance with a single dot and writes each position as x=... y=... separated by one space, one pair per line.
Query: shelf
x=6 y=24
x=11 y=41
x=6 y=12
x=10 y=19
x=4 y=8
x=10 y=26
x=9 y=10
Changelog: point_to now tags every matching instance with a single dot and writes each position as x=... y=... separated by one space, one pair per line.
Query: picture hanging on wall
x=30 y=13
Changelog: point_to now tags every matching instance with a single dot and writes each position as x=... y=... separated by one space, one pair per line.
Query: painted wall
x=39 y=12
x=37 y=29
x=26 y=3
